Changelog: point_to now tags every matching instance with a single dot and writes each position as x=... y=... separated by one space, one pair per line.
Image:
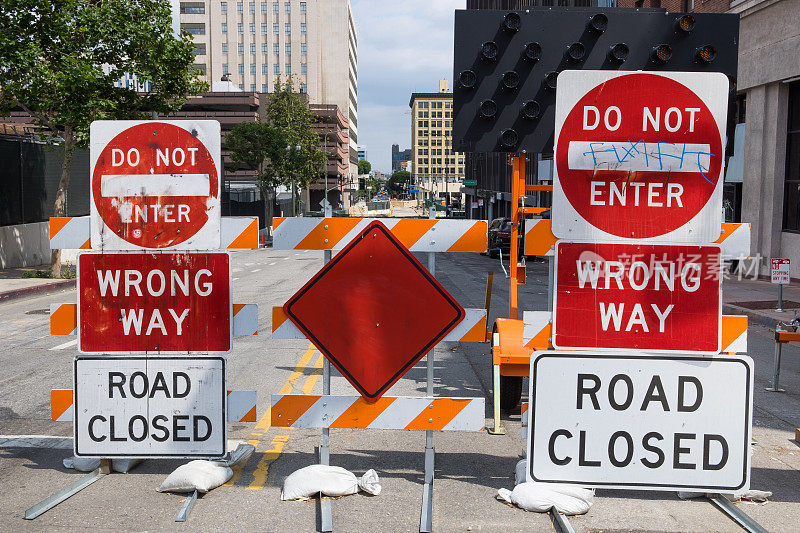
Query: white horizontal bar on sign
x=639 y=156
x=123 y=185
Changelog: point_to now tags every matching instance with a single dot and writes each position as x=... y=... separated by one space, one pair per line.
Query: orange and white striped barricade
x=398 y=412
x=781 y=338
x=430 y=235
x=64 y=319
x=513 y=342
x=240 y=405
x=73 y=233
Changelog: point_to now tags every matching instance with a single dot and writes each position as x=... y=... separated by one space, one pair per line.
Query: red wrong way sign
x=155 y=185
x=658 y=298
x=154 y=303
x=639 y=155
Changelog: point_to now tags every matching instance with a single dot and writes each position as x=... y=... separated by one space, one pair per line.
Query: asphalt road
x=470 y=467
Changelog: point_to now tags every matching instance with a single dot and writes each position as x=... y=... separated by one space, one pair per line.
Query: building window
x=276 y=48
x=252 y=7
x=224 y=48
x=276 y=28
x=264 y=70
x=224 y=7
x=263 y=85
x=275 y=7
x=241 y=49
x=303 y=48
x=276 y=70
x=252 y=87
x=241 y=69
x=225 y=68
x=288 y=69
x=193 y=8
x=264 y=11
x=288 y=28
x=253 y=70
x=791 y=194
x=303 y=68
x=264 y=48
x=253 y=28
x=264 y=28
x=287 y=6
x=194 y=28
x=201 y=68
x=252 y=49
x=288 y=49
x=224 y=27
x=199 y=49
x=303 y=28
x=302 y=7
x=239 y=7
x=241 y=86
x=303 y=88
x=240 y=28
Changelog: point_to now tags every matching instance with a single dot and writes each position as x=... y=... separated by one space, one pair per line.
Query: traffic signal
x=506 y=63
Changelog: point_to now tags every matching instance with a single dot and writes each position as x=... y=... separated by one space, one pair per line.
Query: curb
x=755 y=316
x=37 y=289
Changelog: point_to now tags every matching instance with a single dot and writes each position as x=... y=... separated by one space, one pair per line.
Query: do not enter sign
x=155 y=185
x=639 y=156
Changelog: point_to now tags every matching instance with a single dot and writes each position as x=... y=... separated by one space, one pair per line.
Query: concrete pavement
x=470 y=467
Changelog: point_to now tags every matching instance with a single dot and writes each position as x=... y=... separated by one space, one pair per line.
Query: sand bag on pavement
x=328 y=480
x=199 y=475
x=541 y=497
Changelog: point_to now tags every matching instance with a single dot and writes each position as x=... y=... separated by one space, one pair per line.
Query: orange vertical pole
x=517 y=178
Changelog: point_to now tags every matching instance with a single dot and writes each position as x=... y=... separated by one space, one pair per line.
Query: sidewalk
x=13 y=284
x=758 y=300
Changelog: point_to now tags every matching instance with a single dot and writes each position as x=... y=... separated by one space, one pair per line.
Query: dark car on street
x=499 y=237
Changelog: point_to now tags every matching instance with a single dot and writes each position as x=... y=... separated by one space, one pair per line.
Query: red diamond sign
x=374 y=311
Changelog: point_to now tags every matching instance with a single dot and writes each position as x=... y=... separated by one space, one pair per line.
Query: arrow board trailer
x=656 y=298
x=155 y=407
x=639 y=156
x=155 y=184
x=640 y=421
x=157 y=303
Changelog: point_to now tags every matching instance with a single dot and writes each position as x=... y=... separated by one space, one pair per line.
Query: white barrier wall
x=25 y=245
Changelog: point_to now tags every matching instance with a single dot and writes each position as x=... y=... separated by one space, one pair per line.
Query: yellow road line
x=312 y=378
x=262 y=469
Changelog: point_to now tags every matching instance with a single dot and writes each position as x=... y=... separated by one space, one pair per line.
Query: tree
x=397 y=182
x=60 y=59
x=250 y=144
x=294 y=156
x=364 y=166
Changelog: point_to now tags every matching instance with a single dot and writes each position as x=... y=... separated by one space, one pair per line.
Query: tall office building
x=257 y=43
x=438 y=170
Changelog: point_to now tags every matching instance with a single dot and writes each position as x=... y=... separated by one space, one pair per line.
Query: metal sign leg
x=325 y=507
x=187 y=507
x=560 y=522
x=497 y=429
x=775 y=387
x=426 y=511
x=73 y=488
x=724 y=505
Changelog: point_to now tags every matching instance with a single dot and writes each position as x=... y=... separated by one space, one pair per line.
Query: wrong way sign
x=162 y=302
x=639 y=156
x=640 y=421
x=155 y=184
x=149 y=407
x=657 y=298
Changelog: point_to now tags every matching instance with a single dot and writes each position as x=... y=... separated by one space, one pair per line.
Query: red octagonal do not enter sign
x=374 y=311
x=155 y=185
x=639 y=156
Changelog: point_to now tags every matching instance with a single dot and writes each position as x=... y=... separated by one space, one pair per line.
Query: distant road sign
x=155 y=184
x=154 y=303
x=639 y=156
x=374 y=311
x=657 y=298
x=149 y=407
x=640 y=421
x=779 y=273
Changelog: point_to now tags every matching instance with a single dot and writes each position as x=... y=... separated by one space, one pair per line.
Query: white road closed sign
x=149 y=407
x=640 y=421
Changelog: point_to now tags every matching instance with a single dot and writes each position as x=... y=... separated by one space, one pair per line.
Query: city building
x=438 y=171
x=332 y=128
x=362 y=153
x=257 y=43
x=399 y=157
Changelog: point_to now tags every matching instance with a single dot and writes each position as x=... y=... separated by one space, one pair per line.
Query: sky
x=404 y=46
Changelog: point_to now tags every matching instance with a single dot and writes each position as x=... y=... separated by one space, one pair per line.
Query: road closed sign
x=657 y=298
x=155 y=185
x=158 y=302
x=149 y=407
x=640 y=421
x=639 y=156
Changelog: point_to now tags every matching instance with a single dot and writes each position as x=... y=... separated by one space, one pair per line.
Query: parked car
x=499 y=238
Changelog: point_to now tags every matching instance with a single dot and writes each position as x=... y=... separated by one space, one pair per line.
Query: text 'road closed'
x=641 y=421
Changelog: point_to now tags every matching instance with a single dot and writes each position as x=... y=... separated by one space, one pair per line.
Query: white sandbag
x=541 y=497
x=90 y=464
x=329 y=480
x=240 y=455
x=199 y=475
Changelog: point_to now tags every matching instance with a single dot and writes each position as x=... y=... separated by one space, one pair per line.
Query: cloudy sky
x=403 y=47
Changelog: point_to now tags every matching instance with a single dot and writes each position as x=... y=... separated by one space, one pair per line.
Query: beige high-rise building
x=438 y=171
x=256 y=43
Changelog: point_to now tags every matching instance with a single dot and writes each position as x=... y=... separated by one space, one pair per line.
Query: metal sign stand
x=187 y=507
x=325 y=508
x=70 y=490
x=426 y=511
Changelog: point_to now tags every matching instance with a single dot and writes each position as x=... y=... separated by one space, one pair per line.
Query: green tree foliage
x=250 y=145
x=59 y=60
x=294 y=157
x=364 y=166
x=397 y=182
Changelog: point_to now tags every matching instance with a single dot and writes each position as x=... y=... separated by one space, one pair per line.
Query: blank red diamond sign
x=374 y=311
x=155 y=184
x=639 y=155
